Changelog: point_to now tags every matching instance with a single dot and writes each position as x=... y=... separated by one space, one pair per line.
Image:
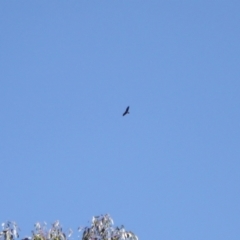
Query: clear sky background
x=68 y=69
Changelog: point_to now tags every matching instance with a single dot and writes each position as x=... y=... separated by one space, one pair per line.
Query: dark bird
x=126 y=111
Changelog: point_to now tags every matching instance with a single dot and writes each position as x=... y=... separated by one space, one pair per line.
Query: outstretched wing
x=126 y=111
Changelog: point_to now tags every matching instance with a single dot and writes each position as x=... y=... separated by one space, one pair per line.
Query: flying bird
x=126 y=111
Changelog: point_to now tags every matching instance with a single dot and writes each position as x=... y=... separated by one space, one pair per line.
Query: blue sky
x=168 y=170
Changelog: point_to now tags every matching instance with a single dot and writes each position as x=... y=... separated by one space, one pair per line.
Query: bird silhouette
x=126 y=111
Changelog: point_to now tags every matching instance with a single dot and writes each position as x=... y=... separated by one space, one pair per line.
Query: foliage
x=101 y=229
x=9 y=231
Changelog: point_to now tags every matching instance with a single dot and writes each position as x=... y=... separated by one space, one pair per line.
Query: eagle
x=126 y=111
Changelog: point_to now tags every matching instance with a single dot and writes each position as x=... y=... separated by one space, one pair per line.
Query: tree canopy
x=101 y=228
